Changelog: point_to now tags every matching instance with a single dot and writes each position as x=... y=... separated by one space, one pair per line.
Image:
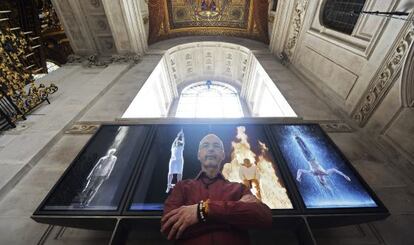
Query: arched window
x=209 y=99
x=341 y=15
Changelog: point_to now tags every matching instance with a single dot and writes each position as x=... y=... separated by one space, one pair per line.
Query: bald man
x=209 y=209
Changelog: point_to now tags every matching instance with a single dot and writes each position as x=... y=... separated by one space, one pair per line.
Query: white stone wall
x=343 y=63
x=360 y=73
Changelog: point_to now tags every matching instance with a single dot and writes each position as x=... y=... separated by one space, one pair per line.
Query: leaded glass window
x=341 y=15
x=209 y=99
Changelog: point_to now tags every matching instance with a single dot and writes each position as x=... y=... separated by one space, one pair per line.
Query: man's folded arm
x=174 y=200
x=240 y=214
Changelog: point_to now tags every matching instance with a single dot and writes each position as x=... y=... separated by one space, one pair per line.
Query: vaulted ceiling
x=172 y=18
x=108 y=27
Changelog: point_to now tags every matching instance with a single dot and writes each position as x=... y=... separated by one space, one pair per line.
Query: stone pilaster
x=75 y=26
x=126 y=22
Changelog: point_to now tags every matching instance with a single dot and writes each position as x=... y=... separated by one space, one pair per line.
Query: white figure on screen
x=98 y=175
x=315 y=168
x=176 y=164
x=249 y=174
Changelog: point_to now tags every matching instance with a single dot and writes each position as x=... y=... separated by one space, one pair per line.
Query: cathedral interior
x=69 y=66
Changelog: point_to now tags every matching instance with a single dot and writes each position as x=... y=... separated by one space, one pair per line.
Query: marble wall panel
x=331 y=74
x=401 y=131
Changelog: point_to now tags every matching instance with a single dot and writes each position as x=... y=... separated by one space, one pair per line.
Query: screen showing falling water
x=323 y=177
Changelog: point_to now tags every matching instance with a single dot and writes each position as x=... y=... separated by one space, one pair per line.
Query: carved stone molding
x=102 y=61
x=336 y=127
x=83 y=128
x=385 y=76
x=407 y=83
x=296 y=26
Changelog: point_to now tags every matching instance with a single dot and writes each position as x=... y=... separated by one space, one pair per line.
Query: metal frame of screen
x=299 y=217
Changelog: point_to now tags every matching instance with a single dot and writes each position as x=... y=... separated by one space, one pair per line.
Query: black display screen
x=98 y=177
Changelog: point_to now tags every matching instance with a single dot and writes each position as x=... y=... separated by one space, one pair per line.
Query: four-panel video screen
x=135 y=167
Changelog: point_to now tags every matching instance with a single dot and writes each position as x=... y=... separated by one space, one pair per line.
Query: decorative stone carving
x=385 y=76
x=97 y=61
x=336 y=127
x=173 y=66
x=133 y=58
x=102 y=25
x=93 y=60
x=83 y=128
x=74 y=59
x=407 y=83
x=229 y=63
x=209 y=60
x=297 y=22
x=95 y=3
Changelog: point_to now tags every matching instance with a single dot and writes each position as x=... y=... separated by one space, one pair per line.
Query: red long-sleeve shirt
x=228 y=218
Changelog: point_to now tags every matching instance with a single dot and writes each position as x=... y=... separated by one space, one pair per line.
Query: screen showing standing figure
x=98 y=177
x=322 y=175
x=173 y=156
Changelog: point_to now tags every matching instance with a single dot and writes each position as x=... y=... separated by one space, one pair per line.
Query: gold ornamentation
x=16 y=69
x=169 y=19
x=49 y=19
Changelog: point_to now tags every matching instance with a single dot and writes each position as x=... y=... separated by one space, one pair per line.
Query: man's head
x=211 y=154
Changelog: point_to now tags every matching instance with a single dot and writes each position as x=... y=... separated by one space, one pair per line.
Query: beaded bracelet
x=198 y=212
x=201 y=211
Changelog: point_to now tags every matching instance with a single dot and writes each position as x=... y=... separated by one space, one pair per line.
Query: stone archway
x=194 y=62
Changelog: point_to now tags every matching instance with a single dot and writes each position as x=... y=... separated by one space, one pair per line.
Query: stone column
x=281 y=26
x=75 y=25
x=125 y=20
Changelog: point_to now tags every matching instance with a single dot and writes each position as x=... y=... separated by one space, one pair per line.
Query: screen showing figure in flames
x=256 y=170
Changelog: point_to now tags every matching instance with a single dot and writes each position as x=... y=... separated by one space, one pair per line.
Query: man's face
x=211 y=154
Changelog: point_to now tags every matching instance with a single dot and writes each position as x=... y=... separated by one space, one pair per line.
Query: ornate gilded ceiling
x=243 y=18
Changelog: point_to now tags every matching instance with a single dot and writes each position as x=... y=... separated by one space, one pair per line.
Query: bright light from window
x=217 y=100
x=50 y=67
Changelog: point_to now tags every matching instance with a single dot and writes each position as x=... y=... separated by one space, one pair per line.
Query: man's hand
x=248 y=198
x=179 y=219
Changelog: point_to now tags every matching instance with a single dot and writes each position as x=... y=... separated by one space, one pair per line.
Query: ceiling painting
x=243 y=18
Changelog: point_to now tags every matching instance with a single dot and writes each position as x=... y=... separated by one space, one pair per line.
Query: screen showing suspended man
x=321 y=174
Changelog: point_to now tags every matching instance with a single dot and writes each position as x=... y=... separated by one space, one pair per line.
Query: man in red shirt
x=209 y=209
